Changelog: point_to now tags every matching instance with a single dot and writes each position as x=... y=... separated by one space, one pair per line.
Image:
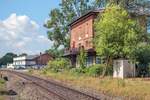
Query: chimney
x=40 y=53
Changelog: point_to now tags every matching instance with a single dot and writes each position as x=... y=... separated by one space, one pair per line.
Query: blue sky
x=21 y=25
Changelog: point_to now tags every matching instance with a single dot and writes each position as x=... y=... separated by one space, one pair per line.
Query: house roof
x=44 y=54
x=91 y=12
x=30 y=57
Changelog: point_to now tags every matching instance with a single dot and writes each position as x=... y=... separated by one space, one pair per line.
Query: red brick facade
x=82 y=31
x=43 y=59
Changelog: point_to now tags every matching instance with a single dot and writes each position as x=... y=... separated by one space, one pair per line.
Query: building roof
x=27 y=57
x=91 y=12
x=30 y=57
x=45 y=54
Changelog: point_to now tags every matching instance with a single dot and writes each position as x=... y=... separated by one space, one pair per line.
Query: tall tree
x=55 y=53
x=7 y=58
x=55 y=26
x=117 y=35
x=58 y=30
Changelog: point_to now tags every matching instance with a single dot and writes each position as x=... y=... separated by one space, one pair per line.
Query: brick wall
x=82 y=33
x=43 y=59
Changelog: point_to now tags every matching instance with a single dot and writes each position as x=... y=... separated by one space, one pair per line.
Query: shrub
x=81 y=58
x=77 y=71
x=2 y=81
x=30 y=71
x=109 y=71
x=95 y=70
x=57 y=65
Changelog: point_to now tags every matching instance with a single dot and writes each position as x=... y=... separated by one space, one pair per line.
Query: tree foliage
x=143 y=59
x=7 y=58
x=58 y=30
x=117 y=35
x=57 y=65
x=55 y=52
x=82 y=58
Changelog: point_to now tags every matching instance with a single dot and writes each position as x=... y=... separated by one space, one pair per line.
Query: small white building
x=24 y=61
x=123 y=69
x=10 y=66
x=32 y=61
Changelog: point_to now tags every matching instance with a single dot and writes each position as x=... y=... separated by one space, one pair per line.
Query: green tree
x=143 y=59
x=7 y=58
x=56 y=33
x=82 y=58
x=123 y=3
x=117 y=35
x=55 y=52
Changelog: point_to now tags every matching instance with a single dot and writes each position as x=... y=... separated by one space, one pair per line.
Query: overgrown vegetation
x=57 y=65
x=62 y=65
x=95 y=70
x=117 y=35
x=135 y=89
x=82 y=58
x=143 y=60
x=2 y=88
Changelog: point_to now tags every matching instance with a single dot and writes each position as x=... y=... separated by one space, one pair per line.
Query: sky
x=21 y=25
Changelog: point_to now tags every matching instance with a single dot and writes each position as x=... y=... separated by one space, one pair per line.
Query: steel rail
x=37 y=81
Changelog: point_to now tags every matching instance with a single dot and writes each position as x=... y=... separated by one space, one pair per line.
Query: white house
x=24 y=61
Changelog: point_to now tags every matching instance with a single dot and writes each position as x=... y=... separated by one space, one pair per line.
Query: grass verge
x=2 y=88
x=130 y=88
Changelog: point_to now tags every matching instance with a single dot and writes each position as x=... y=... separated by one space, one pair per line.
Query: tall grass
x=137 y=88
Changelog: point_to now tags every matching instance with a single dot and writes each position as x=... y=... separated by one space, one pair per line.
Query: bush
x=57 y=65
x=109 y=71
x=2 y=81
x=95 y=70
x=30 y=71
x=77 y=71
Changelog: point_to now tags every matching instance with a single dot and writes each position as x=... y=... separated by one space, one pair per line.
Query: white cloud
x=21 y=34
x=42 y=38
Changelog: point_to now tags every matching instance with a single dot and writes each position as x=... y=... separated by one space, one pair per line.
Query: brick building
x=82 y=33
x=43 y=59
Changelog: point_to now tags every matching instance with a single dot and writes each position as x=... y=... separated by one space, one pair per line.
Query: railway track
x=60 y=91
